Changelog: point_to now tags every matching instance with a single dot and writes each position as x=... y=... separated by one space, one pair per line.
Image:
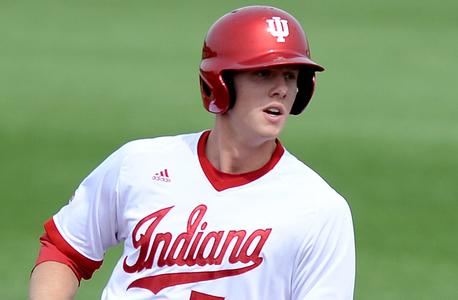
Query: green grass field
x=80 y=78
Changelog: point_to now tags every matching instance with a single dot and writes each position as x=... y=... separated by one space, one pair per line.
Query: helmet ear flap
x=214 y=92
x=204 y=88
x=206 y=92
x=306 y=87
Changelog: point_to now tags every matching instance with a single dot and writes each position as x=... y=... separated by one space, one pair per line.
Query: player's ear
x=228 y=78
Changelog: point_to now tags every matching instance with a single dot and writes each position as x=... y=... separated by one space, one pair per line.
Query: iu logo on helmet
x=278 y=28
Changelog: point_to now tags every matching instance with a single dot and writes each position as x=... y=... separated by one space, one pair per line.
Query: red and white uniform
x=192 y=232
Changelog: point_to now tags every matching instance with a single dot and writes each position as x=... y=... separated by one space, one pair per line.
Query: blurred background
x=80 y=78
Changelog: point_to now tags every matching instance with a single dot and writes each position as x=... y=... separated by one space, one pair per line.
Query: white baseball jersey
x=192 y=232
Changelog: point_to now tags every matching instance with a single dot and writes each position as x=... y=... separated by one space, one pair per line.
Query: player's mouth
x=274 y=112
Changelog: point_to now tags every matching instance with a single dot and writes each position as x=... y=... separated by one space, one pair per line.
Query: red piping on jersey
x=221 y=181
x=55 y=248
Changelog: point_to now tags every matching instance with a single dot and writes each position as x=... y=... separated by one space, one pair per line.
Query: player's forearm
x=52 y=280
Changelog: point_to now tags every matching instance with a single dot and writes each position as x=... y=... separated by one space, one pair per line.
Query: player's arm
x=59 y=268
x=52 y=280
x=76 y=238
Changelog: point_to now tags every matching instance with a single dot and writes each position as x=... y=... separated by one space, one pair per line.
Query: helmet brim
x=278 y=59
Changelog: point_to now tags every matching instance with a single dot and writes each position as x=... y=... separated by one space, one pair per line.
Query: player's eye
x=290 y=76
x=263 y=73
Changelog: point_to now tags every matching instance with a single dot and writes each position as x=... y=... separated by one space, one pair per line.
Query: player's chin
x=271 y=131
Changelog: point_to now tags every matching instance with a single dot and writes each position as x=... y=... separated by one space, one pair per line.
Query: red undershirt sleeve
x=55 y=248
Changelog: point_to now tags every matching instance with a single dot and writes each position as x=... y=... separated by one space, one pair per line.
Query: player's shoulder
x=298 y=171
x=161 y=144
x=155 y=149
x=306 y=181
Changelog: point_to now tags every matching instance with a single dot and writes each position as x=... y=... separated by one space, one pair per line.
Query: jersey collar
x=222 y=181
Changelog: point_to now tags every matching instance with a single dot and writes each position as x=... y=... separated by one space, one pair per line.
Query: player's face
x=264 y=98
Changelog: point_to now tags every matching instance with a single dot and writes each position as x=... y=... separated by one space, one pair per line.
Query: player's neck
x=236 y=154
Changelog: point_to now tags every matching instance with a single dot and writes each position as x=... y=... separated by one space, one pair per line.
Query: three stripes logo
x=162 y=176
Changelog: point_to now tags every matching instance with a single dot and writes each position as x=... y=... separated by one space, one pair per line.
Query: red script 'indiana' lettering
x=190 y=248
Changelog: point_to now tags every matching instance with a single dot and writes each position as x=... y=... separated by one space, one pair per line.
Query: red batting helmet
x=249 y=38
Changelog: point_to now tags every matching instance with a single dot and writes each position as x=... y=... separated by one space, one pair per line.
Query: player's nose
x=279 y=87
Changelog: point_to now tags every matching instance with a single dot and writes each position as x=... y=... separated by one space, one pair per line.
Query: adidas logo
x=162 y=176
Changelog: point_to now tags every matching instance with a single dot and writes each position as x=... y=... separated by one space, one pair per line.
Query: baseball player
x=226 y=213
